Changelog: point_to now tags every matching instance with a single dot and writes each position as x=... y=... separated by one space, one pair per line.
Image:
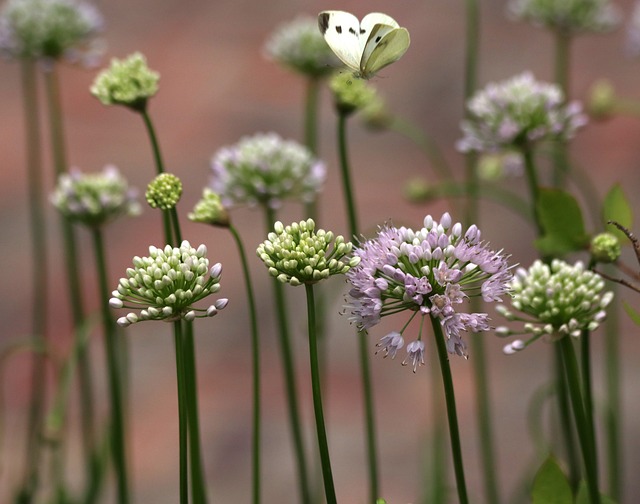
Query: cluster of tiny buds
x=164 y=191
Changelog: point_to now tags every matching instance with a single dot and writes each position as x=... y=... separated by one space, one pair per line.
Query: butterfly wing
x=341 y=30
x=382 y=50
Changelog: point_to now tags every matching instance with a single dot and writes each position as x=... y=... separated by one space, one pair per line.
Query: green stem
x=564 y=413
x=114 y=372
x=587 y=391
x=370 y=431
x=562 y=56
x=534 y=185
x=311 y=115
x=39 y=277
x=329 y=488
x=570 y=363
x=290 y=379
x=183 y=424
x=613 y=413
x=255 y=360
x=450 y=399
x=76 y=297
x=198 y=486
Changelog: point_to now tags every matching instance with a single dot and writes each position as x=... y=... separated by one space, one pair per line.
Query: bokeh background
x=217 y=86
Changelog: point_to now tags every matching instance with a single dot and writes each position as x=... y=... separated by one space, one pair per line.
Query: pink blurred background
x=217 y=86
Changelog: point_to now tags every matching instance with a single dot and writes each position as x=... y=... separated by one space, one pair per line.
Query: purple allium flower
x=432 y=272
x=390 y=344
x=265 y=169
x=517 y=113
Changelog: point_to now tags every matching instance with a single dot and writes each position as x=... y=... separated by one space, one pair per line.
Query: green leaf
x=562 y=224
x=550 y=485
x=583 y=496
x=616 y=208
x=633 y=314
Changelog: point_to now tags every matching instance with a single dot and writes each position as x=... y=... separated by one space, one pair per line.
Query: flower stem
x=85 y=379
x=534 y=186
x=370 y=431
x=311 y=115
x=452 y=415
x=290 y=379
x=329 y=488
x=114 y=372
x=198 y=487
x=255 y=357
x=570 y=363
x=183 y=438
x=39 y=278
x=562 y=56
x=587 y=390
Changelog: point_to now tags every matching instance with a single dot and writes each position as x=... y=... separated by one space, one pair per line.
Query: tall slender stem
x=327 y=476
x=311 y=115
x=39 y=276
x=561 y=70
x=114 y=372
x=582 y=426
x=72 y=272
x=198 y=486
x=452 y=415
x=587 y=391
x=255 y=360
x=365 y=368
x=534 y=185
x=290 y=379
x=183 y=436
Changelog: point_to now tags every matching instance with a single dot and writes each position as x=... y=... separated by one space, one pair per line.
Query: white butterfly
x=366 y=46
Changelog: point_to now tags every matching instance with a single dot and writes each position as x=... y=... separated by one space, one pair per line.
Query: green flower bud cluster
x=298 y=254
x=94 y=199
x=210 y=210
x=603 y=102
x=558 y=299
x=50 y=29
x=605 y=248
x=127 y=82
x=165 y=285
x=299 y=46
x=351 y=94
x=568 y=16
x=164 y=191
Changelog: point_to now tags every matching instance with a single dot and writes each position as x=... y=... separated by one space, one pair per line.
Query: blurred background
x=217 y=86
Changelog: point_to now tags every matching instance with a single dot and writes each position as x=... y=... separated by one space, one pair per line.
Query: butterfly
x=364 y=46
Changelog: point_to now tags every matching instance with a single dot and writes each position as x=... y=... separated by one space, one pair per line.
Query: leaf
x=616 y=208
x=633 y=314
x=583 y=495
x=562 y=223
x=550 y=485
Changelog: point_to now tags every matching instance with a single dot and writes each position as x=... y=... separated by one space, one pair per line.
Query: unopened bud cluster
x=298 y=254
x=94 y=199
x=164 y=191
x=351 y=94
x=210 y=210
x=127 y=82
x=166 y=284
x=556 y=300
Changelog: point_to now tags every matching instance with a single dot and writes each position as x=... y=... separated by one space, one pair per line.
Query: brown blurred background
x=217 y=86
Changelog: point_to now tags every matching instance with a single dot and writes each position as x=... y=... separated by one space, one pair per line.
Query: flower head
x=516 y=113
x=210 y=210
x=298 y=254
x=164 y=191
x=127 y=82
x=299 y=46
x=351 y=94
x=605 y=248
x=568 y=16
x=557 y=300
x=265 y=169
x=93 y=199
x=427 y=272
x=50 y=29
x=166 y=285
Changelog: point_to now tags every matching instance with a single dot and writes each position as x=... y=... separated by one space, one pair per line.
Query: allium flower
x=50 y=29
x=166 y=285
x=93 y=199
x=210 y=210
x=556 y=300
x=298 y=254
x=265 y=169
x=567 y=16
x=516 y=113
x=605 y=248
x=164 y=191
x=351 y=94
x=299 y=46
x=127 y=82
x=427 y=272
